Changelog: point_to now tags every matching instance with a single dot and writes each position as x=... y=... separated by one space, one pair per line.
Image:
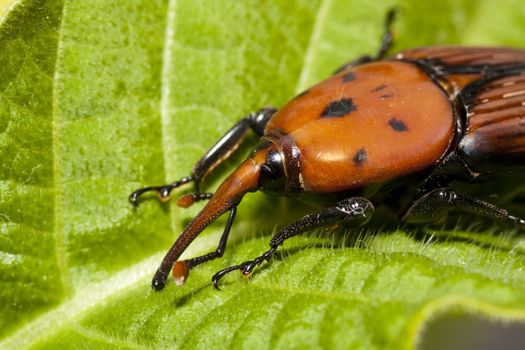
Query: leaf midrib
x=168 y=142
x=58 y=234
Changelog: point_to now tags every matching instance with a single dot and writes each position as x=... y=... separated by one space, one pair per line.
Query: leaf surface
x=99 y=98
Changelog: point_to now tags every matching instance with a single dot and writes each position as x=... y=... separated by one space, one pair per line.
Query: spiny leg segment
x=226 y=145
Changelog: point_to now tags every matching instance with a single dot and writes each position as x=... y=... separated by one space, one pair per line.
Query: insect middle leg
x=386 y=44
x=355 y=211
x=436 y=203
x=214 y=156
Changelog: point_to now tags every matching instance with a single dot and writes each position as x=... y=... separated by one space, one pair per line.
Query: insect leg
x=436 y=203
x=222 y=243
x=355 y=211
x=388 y=35
x=386 y=44
x=215 y=155
x=183 y=267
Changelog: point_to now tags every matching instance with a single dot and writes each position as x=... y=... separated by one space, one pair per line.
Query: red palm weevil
x=418 y=119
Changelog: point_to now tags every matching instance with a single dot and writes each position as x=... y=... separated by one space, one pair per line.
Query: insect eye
x=267 y=172
x=272 y=177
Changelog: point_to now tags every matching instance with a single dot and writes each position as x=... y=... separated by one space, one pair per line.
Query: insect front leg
x=182 y=268
x=214 y=156
x=437 y=203
x=355 y=211
x=386 y=44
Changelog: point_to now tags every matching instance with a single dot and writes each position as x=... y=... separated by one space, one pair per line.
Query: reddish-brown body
x=363 y=146
x=420 y=91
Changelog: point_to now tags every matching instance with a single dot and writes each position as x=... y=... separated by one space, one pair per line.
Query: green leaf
x=98 y=98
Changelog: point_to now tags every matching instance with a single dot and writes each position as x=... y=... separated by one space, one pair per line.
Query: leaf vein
x=60 y=249
x=165 y=106
x=104 y=338
x=314 y=40
x=90 y=296
x=18 y=105
x=5 y=15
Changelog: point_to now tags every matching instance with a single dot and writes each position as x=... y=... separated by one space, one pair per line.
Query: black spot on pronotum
x=305 y=92
x=378 y=88
x=339 y=108
x=348 y=77
x=397 y=125
x=360 y=157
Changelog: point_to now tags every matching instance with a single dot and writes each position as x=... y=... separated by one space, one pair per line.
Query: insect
x=411 y=123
